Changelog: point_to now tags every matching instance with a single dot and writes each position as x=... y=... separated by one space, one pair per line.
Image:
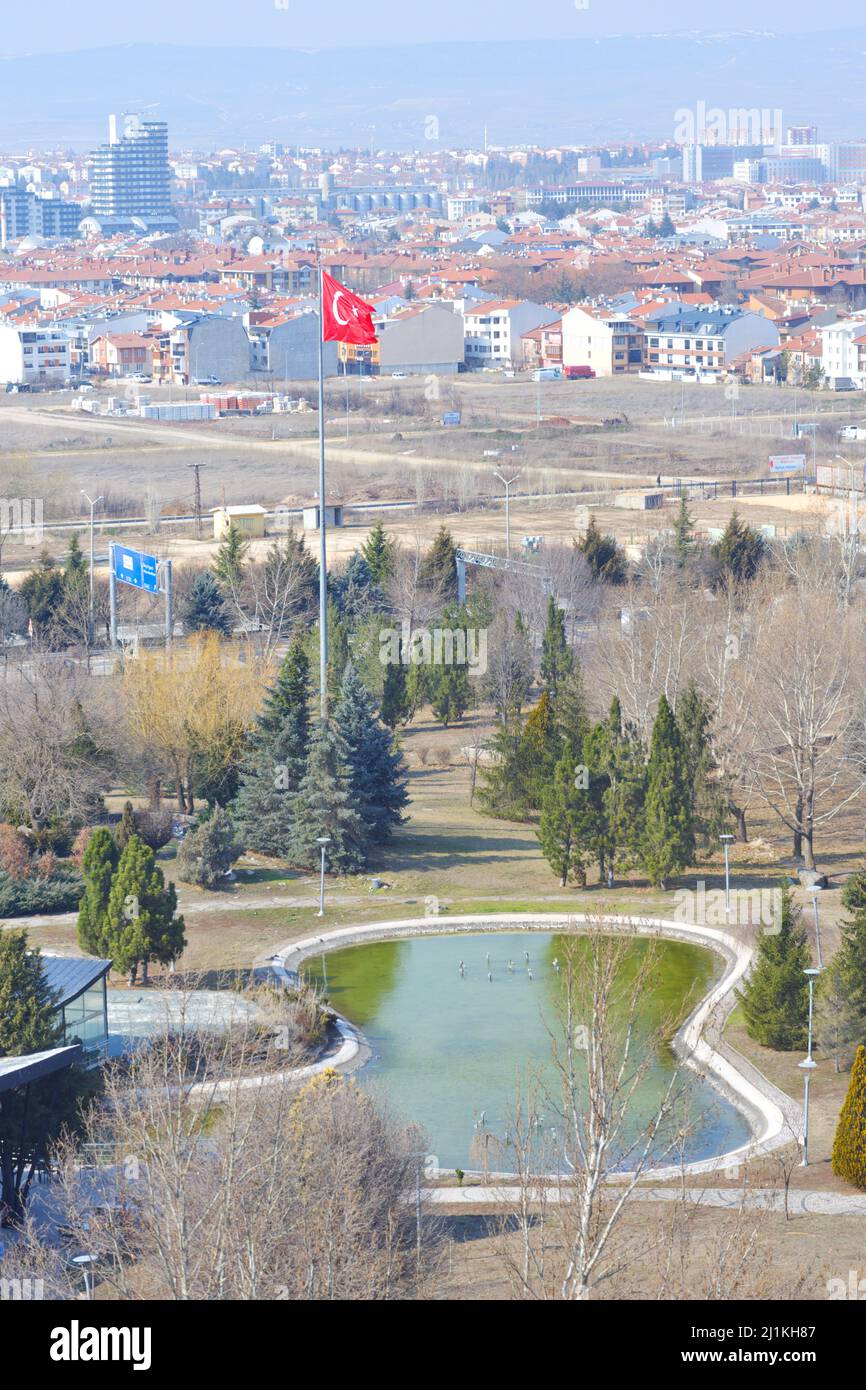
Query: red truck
x=579 y=373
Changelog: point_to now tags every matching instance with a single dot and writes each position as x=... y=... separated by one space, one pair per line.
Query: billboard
x=787 y=463
x=132 y=567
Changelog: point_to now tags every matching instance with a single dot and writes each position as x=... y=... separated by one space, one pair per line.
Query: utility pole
x=506 y=482
x=196 y=468
x=94 y=503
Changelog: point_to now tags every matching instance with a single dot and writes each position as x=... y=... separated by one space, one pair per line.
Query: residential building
x=130 y=176
x=24 y=213
x=286 y=346
x=542 y=346
x=208 y=347
x=33 y=356
x=121 y=354
x=493 y=330
x=842 y=350
x=701 y=342
x=611 y=343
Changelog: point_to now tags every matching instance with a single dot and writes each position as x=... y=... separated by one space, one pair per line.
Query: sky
x=60 y=26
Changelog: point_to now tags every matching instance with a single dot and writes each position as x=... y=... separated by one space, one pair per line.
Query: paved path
x=800 y=1203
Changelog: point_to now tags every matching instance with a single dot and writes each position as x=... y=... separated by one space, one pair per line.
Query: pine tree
x=141 y=920
x=555 y=655
x=74 y=567
x=850 y=959
x=623 y=798
x=379 y=552
x=208 y=852
x=378 y=778
x=667 y=842
x=524 y=758
x=42 y=591
x=448 y=685
x=439 y=568
x=740 y=550
x=274 y=767
x=98 y=864
x=604 y=557
x=694 y=720
x=29 y=1019
x=849 y=1145
x=394 y=707
x=568 y=827
x=125 y=827
x=205 y=609
x=228 y=563
x=356 y=593
x=325 y=806
x=683 y=534
x=775 y=998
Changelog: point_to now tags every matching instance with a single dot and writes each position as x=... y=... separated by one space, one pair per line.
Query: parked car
x=398 y=376
x=206 y=381
x=579 y=373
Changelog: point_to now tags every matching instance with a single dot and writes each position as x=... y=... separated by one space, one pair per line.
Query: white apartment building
x=611 y=344
x=842 y=350
x=33 y=356
x=494 y=328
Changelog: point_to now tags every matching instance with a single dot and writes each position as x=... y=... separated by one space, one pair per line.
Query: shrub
x=14 y=853
x=27 y=897
x=80 y=843
x=209 y=851
x=849 y=1146
x=154 y=827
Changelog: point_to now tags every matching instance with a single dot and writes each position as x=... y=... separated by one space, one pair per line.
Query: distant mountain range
x=595 y=89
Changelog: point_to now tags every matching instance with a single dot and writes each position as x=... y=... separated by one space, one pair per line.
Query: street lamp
x=94 y=503
x=814 y=895
x=726 y=840
x=808 y=1066
x=506 y=482
x=323 y=841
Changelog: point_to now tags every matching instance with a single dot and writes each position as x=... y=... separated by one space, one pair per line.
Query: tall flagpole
x=323 y=548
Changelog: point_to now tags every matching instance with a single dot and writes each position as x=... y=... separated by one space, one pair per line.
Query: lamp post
x=726 y=840
x=322 y=841
x=506 y=482
x=814 y=896
x=94 y=503
x=807 y=1067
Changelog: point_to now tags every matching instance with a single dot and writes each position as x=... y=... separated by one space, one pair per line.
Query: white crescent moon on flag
x=338 y=296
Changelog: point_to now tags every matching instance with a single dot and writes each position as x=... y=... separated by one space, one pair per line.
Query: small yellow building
x=249 y=520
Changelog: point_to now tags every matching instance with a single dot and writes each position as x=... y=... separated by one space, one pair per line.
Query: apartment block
x=33 y=356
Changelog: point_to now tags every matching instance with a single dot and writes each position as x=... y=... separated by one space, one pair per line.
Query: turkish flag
x=345 y=317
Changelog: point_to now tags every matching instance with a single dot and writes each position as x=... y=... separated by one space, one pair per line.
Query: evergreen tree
x=567 y=828
x=31 y=1120
x=42 y=591
x=378 y=778
x=604 y=557
x=439 y=568
x=277 y=759
x=228 y=563
x=623 y=798
x=838 y=1023
x=99 y=861
x=694 y=719
x=356 y=594
x=666 y=226
x=667 y=842
x=205 y=608
x=141 y=920
x=524 y=758
x=849 y=1145
x=850 y=959
x=207 y=853
x=394 y=707
x=379 y=553
x=740 y=550
x=556 y=659
x=449 y=689
x=775 y=998
x=684 y=540
x=74 y=567
x=325 y=806
x=125 y=827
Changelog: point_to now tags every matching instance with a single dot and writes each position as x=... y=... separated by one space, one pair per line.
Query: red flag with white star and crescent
x=345 y=317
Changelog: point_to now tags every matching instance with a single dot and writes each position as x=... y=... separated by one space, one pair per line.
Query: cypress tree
x=126 y=827
x=394 y=708
x=775 y=998
x=555 y=656
x=694 y=718
x=378 y=778
x=141 y=919
x=228 y=563
x=379 y=553
x=683 y=534
x=568 y=827
x=667 y=842
x=325 y=806
x=604 y=557
x=849 y=1145
x=99 y=861
x=450 y=692
x=740 y=550
x=277 y=758
x=439 y=567
x=205 y=609
x=623 y=798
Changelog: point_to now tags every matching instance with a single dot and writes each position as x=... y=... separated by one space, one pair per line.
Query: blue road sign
x=451 y=417
x=132 y=567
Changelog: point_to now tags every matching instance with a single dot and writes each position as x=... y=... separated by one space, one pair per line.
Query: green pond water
x=452 y=1051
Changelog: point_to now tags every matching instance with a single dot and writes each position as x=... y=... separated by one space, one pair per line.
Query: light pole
x=814 y=896
x=807 y=1067
x=506 y=482
x=94 y=503
x=323 y=841
x=726 y=840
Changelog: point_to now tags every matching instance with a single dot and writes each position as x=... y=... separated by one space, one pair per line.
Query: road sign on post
x=133 y=567
x=787 y=463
